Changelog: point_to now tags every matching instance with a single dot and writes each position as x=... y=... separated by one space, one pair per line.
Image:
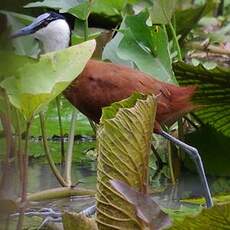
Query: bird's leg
x=194 y=154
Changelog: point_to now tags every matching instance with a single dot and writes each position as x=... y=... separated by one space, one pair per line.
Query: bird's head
x=51 y=29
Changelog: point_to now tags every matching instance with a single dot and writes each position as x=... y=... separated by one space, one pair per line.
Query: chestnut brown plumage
x=101 y=84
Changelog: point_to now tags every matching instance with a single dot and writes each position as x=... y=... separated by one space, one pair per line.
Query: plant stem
x=175 y=41
x=180 y=120
x=61 y=129
x=47 y=152
x=69 y=153
x=207 y=48
x=86 y=29
x=61 y=192
x=19 y=143
x=5 y=119
x=93 y=126
x=5 y=164
x=24 y=173
x=170 y=157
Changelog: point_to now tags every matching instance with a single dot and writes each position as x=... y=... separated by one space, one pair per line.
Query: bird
x=102 y=83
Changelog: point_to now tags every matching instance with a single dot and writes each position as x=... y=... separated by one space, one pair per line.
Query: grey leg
x=194 y=154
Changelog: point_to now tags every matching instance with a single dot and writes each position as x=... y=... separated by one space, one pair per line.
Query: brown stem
x=207 y=48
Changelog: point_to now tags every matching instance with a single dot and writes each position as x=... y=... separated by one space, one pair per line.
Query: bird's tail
x=177 y=102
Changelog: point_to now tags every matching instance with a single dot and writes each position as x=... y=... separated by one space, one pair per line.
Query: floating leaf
x=214 y=91
x=147 y=210
x=217 y=217
x=123 y=145
x=34 y=85
x=73 y=221
x=219 y=199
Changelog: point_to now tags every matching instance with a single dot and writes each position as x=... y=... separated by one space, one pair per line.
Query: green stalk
x=69 y=153
x=48 y=154
x=86 y=29
x=24 y=173
x=61 y=129
x=19 y=143
x=180 y=120
x=175 y=41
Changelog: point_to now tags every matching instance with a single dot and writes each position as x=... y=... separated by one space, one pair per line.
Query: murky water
x=163 y=192
x=41 y=178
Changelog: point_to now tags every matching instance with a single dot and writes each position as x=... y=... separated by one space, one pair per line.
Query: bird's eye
x=45 y=23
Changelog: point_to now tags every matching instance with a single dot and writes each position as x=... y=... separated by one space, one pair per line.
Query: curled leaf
x=74 y=221
x=147 y=209
x=123 y=145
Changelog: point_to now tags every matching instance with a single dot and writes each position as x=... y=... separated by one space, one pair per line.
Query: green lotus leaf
x=214 y=93
x=217 y=217
x=35 y=84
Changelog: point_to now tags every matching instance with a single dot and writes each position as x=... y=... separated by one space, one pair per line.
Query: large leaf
x=214 y=149
x=10 y=63
x=214 y=91
x=81 y=11
x=145 y=46
x=109 y=8
x=215 y=218
x=147 y=210
x=162 y=11
x=123 y=145
x=188 y=18
x=63 y=5
x=110 y=51
x=26 y=45
x=34 y=85
x=73 y=221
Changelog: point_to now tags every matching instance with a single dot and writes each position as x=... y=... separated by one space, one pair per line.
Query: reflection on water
x=41 y=178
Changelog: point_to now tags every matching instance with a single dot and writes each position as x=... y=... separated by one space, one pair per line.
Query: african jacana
x=101 y=84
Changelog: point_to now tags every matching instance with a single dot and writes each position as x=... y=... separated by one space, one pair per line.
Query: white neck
x=55 y=36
